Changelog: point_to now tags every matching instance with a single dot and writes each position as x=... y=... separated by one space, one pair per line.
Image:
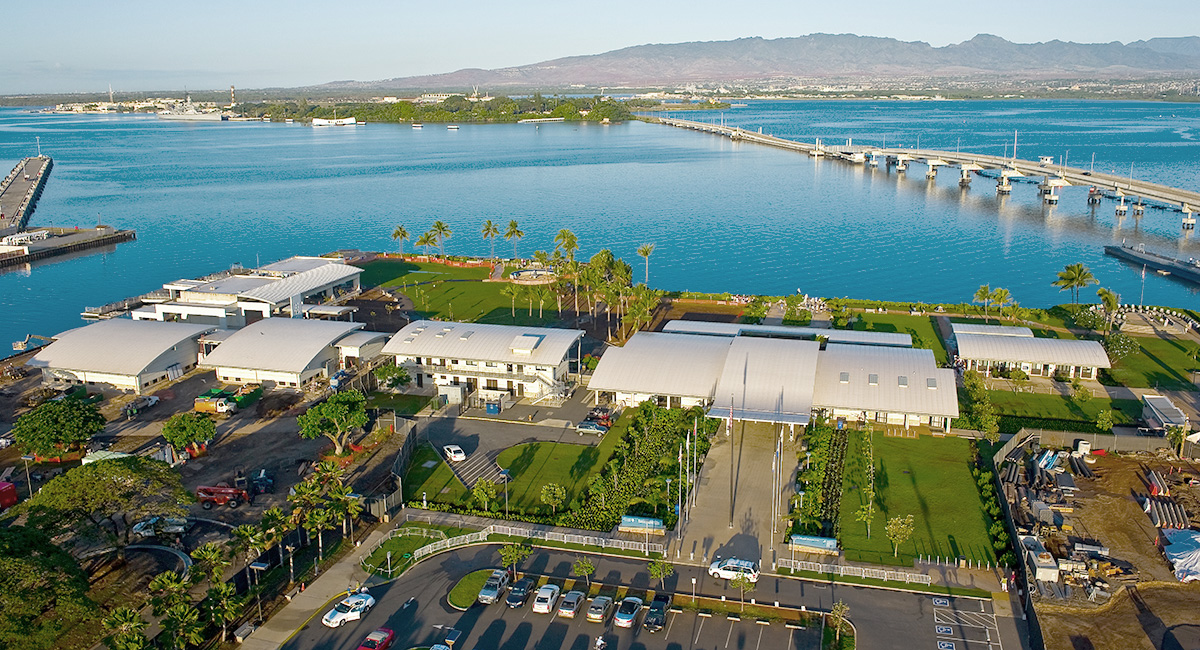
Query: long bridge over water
x=1054 y=177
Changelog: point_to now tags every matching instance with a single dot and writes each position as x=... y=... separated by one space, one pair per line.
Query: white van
x=730 y=568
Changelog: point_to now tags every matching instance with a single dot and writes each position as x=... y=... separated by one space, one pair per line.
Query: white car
x=543 y=602
x=730 y=568
x=160 y=525
x=454 y=453
x=352 y=608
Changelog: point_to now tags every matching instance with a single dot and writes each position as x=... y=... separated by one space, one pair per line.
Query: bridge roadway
x=18 y=192
x=1058 y=175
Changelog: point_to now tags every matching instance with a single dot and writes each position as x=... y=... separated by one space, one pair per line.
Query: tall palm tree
x=512 y=291
x=984 y=295
x=540 y=293
x=343 y=501
x=1000 y=297
x=566 y=241
x=490 y=233
x=319 y=520
x=442 y=232
x=211 y=561
x=1112 y=302
x=126 y=630
x=220 y=606
x=400 y=234
x=1074 y=277
x=248 y=542
x=182 y=627
x=168 y=589
x=427 y=241
x=514 y=233
x=273 y=526
x=644 y=251
x=541 y=258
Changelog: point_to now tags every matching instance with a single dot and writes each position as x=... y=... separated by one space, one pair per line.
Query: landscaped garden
x=923 y=330
x=401 y=404
x=535 y=465
x=1158 y=363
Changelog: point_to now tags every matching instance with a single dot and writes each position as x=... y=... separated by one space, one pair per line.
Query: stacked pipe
x=1158 y=487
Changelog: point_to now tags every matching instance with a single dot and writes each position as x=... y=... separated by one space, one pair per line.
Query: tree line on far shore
x=453 y=109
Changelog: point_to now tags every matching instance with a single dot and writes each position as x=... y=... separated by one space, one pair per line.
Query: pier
x=1054 y=177
x=27 y=247
x=20 y=191
x=1185 y=270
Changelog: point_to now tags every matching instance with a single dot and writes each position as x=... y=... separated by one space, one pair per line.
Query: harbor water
x=724 y=216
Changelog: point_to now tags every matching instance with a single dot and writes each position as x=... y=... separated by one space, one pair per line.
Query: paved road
x=884 y=619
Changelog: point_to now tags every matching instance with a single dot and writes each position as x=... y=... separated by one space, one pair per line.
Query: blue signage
x=630 y=521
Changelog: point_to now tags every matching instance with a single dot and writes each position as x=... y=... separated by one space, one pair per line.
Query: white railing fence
x=856 y=572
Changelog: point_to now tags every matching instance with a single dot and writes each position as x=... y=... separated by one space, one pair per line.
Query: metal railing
x=856 y=571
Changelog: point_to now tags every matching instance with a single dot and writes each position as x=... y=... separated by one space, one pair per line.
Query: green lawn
x=1158 y=363
x=406 y=544
x=923 y=329
x=1036 y=405
x=401 y=404
x=479 y=302
x=929 y=478
x=436 y=481
x=463 y=594
x=395 y=273
x=536 y=464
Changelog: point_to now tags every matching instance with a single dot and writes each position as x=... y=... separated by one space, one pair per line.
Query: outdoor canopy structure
x=285 y=351
x=994 y=347
x=779 y=379
x=127 y=354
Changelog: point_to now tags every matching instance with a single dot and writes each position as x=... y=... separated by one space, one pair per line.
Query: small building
x=990 y=348
x=297 y=287
x=289 y=352
x=1041 y=562
x=1160 y=413
x=531 y=362
x=122 y=353
x=360 y=347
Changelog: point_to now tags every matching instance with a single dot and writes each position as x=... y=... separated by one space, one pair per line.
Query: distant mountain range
x=825 y=56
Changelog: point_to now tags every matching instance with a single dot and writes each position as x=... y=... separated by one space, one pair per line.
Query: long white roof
x=684 y=365
x=118 y=346
x=898 y=339
x=1060 y=352
x=278 y=344
x=543 y=346
x=767 y=380
x=895 y=380
x=303 y=282
x=990 y=330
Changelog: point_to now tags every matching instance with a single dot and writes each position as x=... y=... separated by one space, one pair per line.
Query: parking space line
x=730 y=635
x=698 y=629
x=759 y=644
x=670 y=621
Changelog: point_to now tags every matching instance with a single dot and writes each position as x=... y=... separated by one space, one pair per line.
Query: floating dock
x=1186 y=270
x=31 y=246
x=19 y=192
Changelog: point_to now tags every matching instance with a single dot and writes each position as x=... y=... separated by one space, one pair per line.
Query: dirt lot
x=1152 y=616
x=1159 y=613
x=694 y=310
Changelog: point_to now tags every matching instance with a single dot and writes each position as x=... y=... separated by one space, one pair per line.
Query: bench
x=243 y=632
x=292 y=594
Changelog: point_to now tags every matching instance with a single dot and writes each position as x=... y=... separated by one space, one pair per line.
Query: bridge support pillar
x=931 y=173
x=1189 y=222
x=1094 y=196
x=1122 y=209
x=1050 y=197
x=964 y=179
x=1139 y=209
x=901 y=166
x=1002 y=185
x=874 y=160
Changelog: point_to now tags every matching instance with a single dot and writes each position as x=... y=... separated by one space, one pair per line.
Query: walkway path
x=775 y=314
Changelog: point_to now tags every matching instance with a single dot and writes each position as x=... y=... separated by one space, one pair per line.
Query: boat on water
x=451 y=127
x=341 y=121
x=738 y=105
x=189 y=113
x=1162 y=265
x=417 y=125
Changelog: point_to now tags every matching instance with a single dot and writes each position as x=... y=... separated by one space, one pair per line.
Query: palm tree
x=1000 y=297
x=211 y=561
x=512 y=291
x=540 y=293
x=327 y=473
x=305 y=497
x=400 y=234
x=220 y=606
x=126 y=630
x=1111 y=301
x=247 y=540
x=1074 y=277
x=984 y=295
x=273 y=526
x=182 y=627
x=490 y=233
x=319 y=520
x=644 y=251
x=167 y=590
x=427 y=241
x=514 y=233
x=566 y=241
x=442 y=232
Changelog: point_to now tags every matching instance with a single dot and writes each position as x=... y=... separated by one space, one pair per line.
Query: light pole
x=258 y=566
x=28 y=481
x=505 y=474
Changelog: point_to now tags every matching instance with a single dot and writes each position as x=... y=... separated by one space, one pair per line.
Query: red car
x=380 y=639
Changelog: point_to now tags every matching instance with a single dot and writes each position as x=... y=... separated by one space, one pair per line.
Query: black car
x=656 y=618
x=519 y=593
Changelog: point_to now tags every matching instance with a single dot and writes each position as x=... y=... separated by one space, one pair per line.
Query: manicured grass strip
x=1061 y=407
x=436 y=482
x=395 y=273
x=463 y=594
x=929 y=478
x=405 y=544
x=479 y=302
x=871 y=582
x=536 y=464
x=1159 y=363
x=401 y=404
x=923 y=330
x=586 y=548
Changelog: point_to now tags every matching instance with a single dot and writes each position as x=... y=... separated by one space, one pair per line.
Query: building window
x=902 y=381
x=873 y=379
x=844 y=377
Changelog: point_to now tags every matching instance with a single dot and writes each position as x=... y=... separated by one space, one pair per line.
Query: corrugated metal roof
x=361 y=338
x=767 y=380
x=1165 y=411
x=119 y=346
x=483 y=342
x=902 y=384
x=278 y=344
x=990 y=330
x=896 y=339
x=300 y=283
x=298 y=264
x=1060 y=352
x=663 y=364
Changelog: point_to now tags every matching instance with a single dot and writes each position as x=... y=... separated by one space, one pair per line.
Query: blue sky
x=84 y=45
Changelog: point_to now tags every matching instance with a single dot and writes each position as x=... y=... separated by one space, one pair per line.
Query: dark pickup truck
x=656 y=618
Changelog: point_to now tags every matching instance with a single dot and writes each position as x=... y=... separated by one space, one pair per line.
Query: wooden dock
x=61 y=242
x=20 y=191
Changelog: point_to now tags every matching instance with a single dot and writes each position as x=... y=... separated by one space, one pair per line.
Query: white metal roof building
x=126 y=354
x=897 y=339
x=1007 y=348
x=1161 y=413
x=361 y=347
x=522 y=361
x=289 y=287
x=282 y=351
x=780 y=380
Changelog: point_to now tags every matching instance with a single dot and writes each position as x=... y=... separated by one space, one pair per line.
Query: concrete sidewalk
x=315 y=599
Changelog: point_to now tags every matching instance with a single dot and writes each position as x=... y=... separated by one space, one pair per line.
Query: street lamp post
x=258 y=566
x=28 y=481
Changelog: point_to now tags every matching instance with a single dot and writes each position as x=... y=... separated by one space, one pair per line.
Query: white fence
x=387 y=569
x=856 y=572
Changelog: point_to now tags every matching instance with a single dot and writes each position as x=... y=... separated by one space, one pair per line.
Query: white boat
x=288 y=120
x=341 y=121
x=189 y=113
x=451 y=127
x=417 y=125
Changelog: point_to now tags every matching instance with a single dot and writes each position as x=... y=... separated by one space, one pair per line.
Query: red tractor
x=222 y=496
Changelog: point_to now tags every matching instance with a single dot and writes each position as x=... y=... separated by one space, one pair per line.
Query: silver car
x=493 y=589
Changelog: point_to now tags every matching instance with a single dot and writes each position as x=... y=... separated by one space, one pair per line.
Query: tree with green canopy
x=553 y=495
x=125 y=630
x=660 y=570
x=513 y=554
x=442 y=232
x=1074 y=277
x=189 y=430
x=336 y=418
x=645 y=251
x=400 y=234
x=56 y=427
x=983 y=295
x=391 y=375
x=484 y=491
x=490 y=233
x=514 y=233
x=584 y=568
x=743 y=584
x=42 y=590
